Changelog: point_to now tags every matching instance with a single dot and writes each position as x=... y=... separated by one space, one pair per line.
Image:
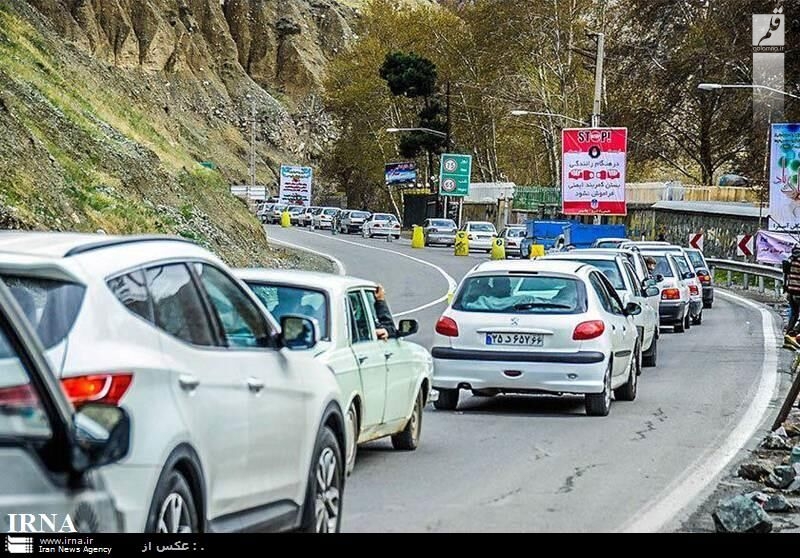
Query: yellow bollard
x=498 y=249
x=462 y=244
x=417 y=237
x=286 y=219
x=537 y=251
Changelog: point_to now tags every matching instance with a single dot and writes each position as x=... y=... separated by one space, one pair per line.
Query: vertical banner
x=784 y=190
x=593 y=171
x=295 y=185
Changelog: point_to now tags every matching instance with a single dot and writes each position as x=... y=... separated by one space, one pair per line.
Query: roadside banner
x=784 y=169
x=774 y=247
x=295 y=185
x=593 y=171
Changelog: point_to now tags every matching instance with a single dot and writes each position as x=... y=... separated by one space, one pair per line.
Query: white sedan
x=385 y=384
x=381 y=224
x=480 y=234
x=537 y=327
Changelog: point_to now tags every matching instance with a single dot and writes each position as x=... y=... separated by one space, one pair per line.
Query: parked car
x=236 y=426
x=675 y=299
x=295 y=214
x=324 y=219
x=307 y=215
x=264 y=211
x=385 y=384
x=703 y=271
x=609 y=242
x=45 y=441
x=314 y=213
x=439 y=231
x=480 y=234
x=352 y=221
x=512 y=236
x=381 y=224
x=618 y=270
x=537 y=326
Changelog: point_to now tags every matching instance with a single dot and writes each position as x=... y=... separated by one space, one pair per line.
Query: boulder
x=741 y=514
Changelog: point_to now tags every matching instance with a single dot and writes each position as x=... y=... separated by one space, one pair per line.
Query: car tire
x=708 y=305
x=679 y=326
x=408 y=439
x=699 y=319
x=448 y=400
x=322 y=510
x=687 y=322
x=628 y=390
x=351 y=438
x=599 y=404
x=173 y=509
x=650 y=357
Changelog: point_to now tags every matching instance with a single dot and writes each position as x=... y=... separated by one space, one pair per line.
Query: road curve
x=538 y=463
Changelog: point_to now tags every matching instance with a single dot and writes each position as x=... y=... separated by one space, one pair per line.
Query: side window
x=242 y=322
x=598 y=287
x=635 y=284
x=22 y=414
x=613 y=297
x=360 y=330
x=177 y=306
x=131 y=291
x=370 y=309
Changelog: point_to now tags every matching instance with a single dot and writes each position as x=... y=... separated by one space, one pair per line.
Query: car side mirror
x=688 y=275
x=652 y=290
x=408 y=327
x=101 y=434
x=659 y=277
x=632 y=309
x=298 y=333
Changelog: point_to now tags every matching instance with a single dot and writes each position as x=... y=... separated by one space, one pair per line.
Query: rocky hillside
x=109 y=107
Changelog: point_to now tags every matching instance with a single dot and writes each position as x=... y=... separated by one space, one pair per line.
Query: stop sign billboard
x=593 y=171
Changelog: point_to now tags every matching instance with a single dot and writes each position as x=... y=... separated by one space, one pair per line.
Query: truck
x=558 y=235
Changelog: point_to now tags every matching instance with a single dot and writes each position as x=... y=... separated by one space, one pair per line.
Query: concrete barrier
x=417 y=237
x=286 y=219
x=461 y=246
x=498 y=249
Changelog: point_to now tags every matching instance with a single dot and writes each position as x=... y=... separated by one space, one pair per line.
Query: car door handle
x=613 y=327
x=361 y=359
x=255 y=385
x=388 y=354
x=188 y=382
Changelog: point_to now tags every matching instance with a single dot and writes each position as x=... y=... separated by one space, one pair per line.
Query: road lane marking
x=340 y=268
x=451 y=283
x=705 y=470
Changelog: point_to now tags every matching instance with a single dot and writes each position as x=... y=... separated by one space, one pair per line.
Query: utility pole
x=598 y=80
x=447 y=142
x=253 y=146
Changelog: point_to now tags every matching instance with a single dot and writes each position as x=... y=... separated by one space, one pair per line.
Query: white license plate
x=520 y=339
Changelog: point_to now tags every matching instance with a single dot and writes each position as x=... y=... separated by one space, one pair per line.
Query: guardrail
x=748 y=271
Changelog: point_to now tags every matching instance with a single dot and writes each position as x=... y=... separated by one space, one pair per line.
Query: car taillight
x=18 y=396
x=670 y=294
x=694 y=290
x=588 y=330
x=447 y=327
x=97 y=388
x=705 y=278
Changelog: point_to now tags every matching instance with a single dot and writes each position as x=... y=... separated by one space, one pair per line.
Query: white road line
x=451 y=283
x=341 y=269
x=699 y=475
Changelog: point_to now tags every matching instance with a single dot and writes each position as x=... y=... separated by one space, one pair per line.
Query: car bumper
x=519 y=372
x=481 y=244
x=384 y=232
x=671 y=312
x=133 y=487
x=708 y=294
x=441 y=239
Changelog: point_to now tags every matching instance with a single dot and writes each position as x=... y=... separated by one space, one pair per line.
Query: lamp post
x=718 y=86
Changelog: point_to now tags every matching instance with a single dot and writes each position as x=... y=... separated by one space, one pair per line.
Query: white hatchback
x=232 y=430
x=537 y=327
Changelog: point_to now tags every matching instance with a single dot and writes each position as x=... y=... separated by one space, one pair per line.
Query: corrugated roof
x=732 y=209
x=487 y=192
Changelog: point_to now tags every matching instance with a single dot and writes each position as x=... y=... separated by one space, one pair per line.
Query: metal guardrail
x=749 y=271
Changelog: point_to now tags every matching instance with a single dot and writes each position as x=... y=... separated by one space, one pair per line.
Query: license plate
x=520 y=339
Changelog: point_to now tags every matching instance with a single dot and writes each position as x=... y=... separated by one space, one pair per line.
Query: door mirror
x=688 y=275
x=408 y=327
x=652 y=290
x=632 y=309
x=299 y=333
x=659 y=277
x=102 y=434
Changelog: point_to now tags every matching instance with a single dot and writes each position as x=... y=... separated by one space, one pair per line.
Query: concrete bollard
x=286 y=219
x=417 y=237
x=461 y=246
x=537 y=251
x=498 y=249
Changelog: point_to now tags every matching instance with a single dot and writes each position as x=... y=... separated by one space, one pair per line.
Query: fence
x=748 y=272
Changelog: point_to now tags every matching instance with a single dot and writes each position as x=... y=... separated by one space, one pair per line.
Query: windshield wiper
x=530 y=305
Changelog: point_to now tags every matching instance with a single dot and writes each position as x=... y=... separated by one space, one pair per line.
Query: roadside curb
x=340 y=267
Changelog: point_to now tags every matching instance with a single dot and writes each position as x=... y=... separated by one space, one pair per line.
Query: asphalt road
x=535 y=463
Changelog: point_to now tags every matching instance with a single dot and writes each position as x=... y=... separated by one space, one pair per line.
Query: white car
x=537 y=326
x=480 y=235
x=381 y=224
x=385 y=384
x=324 y=218
x=232 y=430
x=674 y=309
x=689 y=276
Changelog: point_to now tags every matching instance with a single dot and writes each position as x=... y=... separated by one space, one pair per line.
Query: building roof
x=489 y=192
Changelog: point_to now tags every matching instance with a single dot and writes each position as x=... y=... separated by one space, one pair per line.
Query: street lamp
x=425 y=130
x=535 y=113
x=717 y=86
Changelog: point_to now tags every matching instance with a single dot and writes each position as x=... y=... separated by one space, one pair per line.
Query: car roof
x=612 y=238
x=580 y=255
x=604 y=251
x=64 y=244
x=539 y=265
x=306 y=279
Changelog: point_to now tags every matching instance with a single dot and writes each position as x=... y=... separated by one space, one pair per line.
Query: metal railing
x=749 y=271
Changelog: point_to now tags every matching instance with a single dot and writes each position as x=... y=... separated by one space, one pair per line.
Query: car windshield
x=384 y=217
x=330 y=211
x=359 y=214
x=443 y=223
x=283 y=300
x=481 y=227
x=504 y=294
x=515 y=233
x=662 y=265
x=696 y=258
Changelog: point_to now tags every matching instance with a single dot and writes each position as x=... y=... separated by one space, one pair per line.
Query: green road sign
x=454 y=174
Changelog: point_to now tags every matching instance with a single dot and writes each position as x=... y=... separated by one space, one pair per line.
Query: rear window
x=662 y=266
x=384 y=217
x=443 y=223
x=51 y=306
x=609 y=243
x=515 y=233
x=329 y=211
x=481 y=227
x=504 y=294
x=683 y=265
x=359 y=215
x=283 y=300
x=697 y=259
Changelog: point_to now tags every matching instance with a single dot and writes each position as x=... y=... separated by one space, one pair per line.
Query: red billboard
x=593 y=171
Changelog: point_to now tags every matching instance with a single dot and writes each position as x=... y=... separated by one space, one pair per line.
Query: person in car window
x=290 y=301
x=384 y=326
x=651 y=266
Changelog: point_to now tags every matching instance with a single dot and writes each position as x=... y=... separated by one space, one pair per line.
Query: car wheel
x=627 y=391
x=322 y=511
x=408 y=439
x=599 y=404
x=679 y=326
x=173 y=509
x=650 y=357
x=448 y=400
x=699 y=319
x=351 y=438
x=708 y=304
x=687 y=322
